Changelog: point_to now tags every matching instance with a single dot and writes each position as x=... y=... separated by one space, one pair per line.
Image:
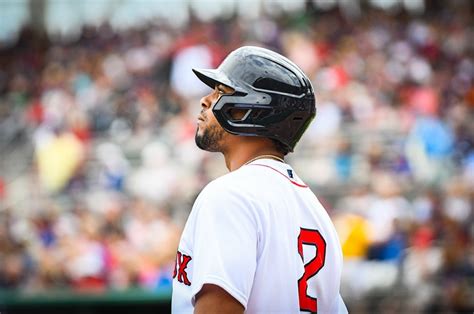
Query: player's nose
x=206 y=102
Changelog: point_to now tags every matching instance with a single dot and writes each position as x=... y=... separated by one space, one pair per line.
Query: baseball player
x=257 y=239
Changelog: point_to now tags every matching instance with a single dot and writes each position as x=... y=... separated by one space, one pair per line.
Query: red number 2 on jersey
x=310 y=237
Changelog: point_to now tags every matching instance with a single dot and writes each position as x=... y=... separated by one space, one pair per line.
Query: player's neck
x=238 y=155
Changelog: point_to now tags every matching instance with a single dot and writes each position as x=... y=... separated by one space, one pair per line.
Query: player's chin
x=200 y=140
x=199 y=131
x=205 y=141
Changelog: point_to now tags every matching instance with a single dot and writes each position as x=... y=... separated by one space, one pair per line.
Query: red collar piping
x=294 y=182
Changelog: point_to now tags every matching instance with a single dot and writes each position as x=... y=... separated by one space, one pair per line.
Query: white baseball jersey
x=260 y=234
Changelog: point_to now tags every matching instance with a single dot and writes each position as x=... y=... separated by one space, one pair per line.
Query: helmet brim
x=213 y=77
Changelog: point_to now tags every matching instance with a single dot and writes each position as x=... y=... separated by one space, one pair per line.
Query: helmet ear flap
x=261 y=113
x=237 y=114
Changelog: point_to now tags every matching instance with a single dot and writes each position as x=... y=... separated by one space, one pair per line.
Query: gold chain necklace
x=265 y=156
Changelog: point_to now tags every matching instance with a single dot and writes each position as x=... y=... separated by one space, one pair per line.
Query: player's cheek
x=211 y=117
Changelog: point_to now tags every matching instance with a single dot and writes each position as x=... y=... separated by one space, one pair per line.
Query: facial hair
x=210 y=138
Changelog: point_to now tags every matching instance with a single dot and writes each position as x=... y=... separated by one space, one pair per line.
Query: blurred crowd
x=99 y=200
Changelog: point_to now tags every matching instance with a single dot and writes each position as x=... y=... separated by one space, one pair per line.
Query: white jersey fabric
x=262 y=235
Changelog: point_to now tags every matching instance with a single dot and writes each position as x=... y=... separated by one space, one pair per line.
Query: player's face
x=210 y=135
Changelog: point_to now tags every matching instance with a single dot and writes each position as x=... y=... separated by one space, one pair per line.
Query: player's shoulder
x=236 y=183
x=229 y=182
x=226 y=194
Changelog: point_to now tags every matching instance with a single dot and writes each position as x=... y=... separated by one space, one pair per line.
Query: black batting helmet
x=277 y=95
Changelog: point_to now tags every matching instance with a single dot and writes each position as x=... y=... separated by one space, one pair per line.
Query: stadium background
x=98 y=167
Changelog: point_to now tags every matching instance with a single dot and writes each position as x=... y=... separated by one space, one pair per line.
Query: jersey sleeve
x=225 y=242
